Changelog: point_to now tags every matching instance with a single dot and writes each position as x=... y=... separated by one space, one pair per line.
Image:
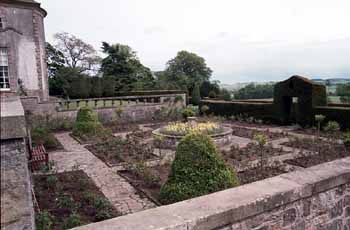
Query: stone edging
x=233 y=205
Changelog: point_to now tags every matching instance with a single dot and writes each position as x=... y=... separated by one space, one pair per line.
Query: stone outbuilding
x=22 y=49
x=296 y=98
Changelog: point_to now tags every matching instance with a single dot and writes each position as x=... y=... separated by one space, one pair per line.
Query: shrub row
x=225 y=108
x=338 y=114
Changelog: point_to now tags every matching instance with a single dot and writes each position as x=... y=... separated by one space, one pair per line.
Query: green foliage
x=54 y=59
x=142 y=171
x=346 y=139
x=66 y=202
x=188 y=112
x=42 y=136
x=205 y=109
x=43 y=220
x=96 y=87
x=79 y=87
x=225 y=95
x=186 y=70
x=197 y=170
x=343 y=90
x=72 y=221
x=86 y=123
x=319 y=118
x=108 y=86
x=255 y=91
x=212 y=94
x=51 y=181
x=122 y=63
x=331 y=126
x=196 y=97
x=261 y=139
x=210 y=89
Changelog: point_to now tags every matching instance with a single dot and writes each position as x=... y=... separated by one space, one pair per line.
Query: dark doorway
x=287 y=109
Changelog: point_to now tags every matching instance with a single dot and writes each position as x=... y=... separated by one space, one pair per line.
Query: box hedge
x=197 y=170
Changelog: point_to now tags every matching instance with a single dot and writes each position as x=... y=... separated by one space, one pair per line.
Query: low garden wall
x=312 y=198
x=134 y=108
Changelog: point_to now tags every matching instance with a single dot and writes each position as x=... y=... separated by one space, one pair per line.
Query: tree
x=255 y=91
x=77 y=54
x=225 y=95
x=54 y=60
x=122 y=63
x=196 y=97
x=59 y=84
x=210 y=86
x=343 y=90
x=188 y=69
x=96 y=87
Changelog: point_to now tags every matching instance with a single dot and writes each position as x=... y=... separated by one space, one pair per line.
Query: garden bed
x=240 y=157
x=149 y=181
x=320 y=151
x=119 y=151
x=250 y=133
x=69 y=199
x=98 y=138
x=123 y=127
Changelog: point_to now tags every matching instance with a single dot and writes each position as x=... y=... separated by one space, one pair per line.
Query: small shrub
x=43 y=220
x=72 y=221
x=188 y=112
x=319 y=118
x=103 y=215
x=66 y=202
x=86 y=123
x=212 y=94
x=178 y=98
x=51 y=182
x=262 y=140
x=346 y=139
x=197 y=170
x=42 y=136
x=332 y=126
x=196 y=96
x=205 y=109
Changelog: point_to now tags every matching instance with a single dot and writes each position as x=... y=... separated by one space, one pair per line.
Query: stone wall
x=16 y=199
x=312 y=198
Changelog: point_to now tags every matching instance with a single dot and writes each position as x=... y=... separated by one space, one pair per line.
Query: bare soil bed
x=118 y=150
x=71 y=192
x=252 y=152
x=151 y=187
x=124 y=127
x=323 y=151
x=250 y=133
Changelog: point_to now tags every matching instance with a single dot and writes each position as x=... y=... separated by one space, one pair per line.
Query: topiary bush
x=196 y=96
x=42 y=136
x=86 y=123
x=188 y=112
x=197 y=170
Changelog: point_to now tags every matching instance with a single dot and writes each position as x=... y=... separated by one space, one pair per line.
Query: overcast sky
x=241 y=40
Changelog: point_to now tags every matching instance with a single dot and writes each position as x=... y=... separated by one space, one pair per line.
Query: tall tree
x=77 y=53
x=54 y=59
x=122 y=63
x=188 y=69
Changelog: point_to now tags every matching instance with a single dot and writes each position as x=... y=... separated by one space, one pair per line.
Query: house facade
x=23 y=69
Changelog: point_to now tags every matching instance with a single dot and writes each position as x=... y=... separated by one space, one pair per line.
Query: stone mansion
x=22 y=49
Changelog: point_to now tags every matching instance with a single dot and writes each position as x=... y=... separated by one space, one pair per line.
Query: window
x=4 y=69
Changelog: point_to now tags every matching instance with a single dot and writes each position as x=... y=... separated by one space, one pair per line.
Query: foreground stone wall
x=312 y=198
x=16 y=199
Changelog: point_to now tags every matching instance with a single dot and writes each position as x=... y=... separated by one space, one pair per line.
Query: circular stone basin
x=220 y=139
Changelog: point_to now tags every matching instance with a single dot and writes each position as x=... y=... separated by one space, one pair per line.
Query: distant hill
x=332 y=81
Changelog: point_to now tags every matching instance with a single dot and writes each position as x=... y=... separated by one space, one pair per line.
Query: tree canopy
x=255 y=91
x=122 y=63
x=187 y=69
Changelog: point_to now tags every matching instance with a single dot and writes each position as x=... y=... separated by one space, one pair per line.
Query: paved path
x=119 y=192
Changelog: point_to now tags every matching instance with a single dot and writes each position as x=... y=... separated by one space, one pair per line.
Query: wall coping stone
x=12 y=118
x=233 y=205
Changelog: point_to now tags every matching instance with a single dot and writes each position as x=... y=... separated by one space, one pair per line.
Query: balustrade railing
x=110 y=102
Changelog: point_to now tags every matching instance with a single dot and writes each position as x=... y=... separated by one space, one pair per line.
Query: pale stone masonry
x=313 y=198
x=16 y=199
x=22 y=45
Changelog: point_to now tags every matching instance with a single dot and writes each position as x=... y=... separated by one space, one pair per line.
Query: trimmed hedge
x=225 y=108
x=150 y=93
x=338 y=114
x=197 y=170
x=86 y=123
